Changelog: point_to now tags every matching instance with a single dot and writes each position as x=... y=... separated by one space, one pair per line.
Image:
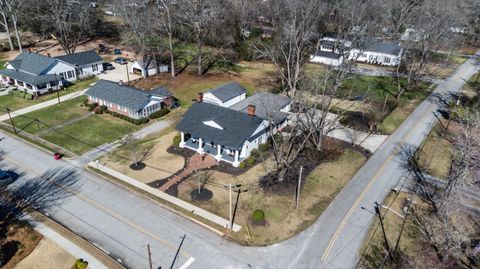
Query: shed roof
x=227 y=91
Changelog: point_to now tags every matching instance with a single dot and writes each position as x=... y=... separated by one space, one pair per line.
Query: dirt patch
x=158 y=165
x=21 y=240
x=47 y=255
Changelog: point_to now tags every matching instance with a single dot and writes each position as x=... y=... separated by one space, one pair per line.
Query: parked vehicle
x=102 y=48
x=5 y=178
x=57 y=156
x=117 y=51
x=108 y=66
x=120 y=60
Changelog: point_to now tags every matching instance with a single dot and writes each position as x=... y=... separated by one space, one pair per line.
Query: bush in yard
x=158 y=114
x=263 y=147
x=98 y=110
x=103 y=108
x=242 y=165
x=251 y=160
x=92 y=106
x=278 y=138
x=255 y=153
x=176 y=140
x=29 y=96
x=258 y=215
x=80 y=264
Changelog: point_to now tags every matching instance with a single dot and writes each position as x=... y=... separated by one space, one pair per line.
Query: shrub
x=144 y=120
x=242 y=165
x=255 y=153
x=103 y=108
x=29 y=96
x=80 y=264
x=158 y=114
x=92 y=106
x=258 y=215
x=176 y=140
x=251 y=160
x=98 y=110
x=278 y=138
x=263 y=147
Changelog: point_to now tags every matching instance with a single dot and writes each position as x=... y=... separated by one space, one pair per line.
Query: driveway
x=119 y=73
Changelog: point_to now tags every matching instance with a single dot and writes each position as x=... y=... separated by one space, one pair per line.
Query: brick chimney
x=199 y=97
x=251 y=110
x=48 y=54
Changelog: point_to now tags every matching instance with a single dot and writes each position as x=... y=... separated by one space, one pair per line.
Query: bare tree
x=5 y=14
x=198 y=16
x=15 y=8
x=166 y=10
x=68 y=21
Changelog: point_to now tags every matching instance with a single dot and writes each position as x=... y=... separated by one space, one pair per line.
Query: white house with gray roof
x=231 y=133
x=332 y=51
x=38 y=74
x=225 y=95
x=130 y=101
x=87 y=63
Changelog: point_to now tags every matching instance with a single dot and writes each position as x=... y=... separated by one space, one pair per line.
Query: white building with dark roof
x=231 y=133
x=225 y=95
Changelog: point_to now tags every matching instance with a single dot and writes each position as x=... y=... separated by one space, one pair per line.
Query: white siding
x=325 y=60
x=61 y=67
x=211 y=99
x=88 y=69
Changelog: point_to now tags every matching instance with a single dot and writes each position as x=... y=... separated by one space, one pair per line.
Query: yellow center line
x=367 y=188
x=110 y=212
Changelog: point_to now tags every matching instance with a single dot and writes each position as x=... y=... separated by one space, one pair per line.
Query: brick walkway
x=197 y=162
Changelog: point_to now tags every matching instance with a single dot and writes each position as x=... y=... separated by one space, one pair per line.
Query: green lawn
x=439 y=57
x=91 y=132
x=15 y=102
x=53 y=115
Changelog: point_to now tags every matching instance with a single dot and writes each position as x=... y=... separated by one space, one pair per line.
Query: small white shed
x=150 y=70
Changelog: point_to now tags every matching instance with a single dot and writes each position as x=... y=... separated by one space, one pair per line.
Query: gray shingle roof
x=228 y=91
x=328 y=54
x=237 y=126
x=161 y=92
x=267 y=106
x=32 y=63
x=123 y=95
x=28 y=78
x=376 y=45
x=81 y=58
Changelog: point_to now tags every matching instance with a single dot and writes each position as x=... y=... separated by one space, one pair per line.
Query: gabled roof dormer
x=213 y=124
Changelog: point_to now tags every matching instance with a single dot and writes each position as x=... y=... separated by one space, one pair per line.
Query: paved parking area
x=119 y=73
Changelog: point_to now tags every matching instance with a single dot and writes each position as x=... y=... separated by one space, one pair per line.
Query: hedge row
x=158 y=114
x=22 y=94
x=127 y=118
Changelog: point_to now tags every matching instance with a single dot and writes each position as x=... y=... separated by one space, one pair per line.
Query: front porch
x=30 y=88
x=219 y=152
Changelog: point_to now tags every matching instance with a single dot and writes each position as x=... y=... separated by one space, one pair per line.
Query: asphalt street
x=123 y=222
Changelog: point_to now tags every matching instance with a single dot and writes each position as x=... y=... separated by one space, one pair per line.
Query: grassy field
x=472 y=87
x=15 y=102
x=52 y=116
x=282 y=219
x=91 y=132
x=436 y=153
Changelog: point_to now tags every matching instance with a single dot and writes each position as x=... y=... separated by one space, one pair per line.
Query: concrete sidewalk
x=45 y=104
x=164 y=196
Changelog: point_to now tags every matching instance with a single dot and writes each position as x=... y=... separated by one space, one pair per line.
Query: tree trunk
x=7 y=30
x=17 y=34
x=199 y=57
x=172 y=59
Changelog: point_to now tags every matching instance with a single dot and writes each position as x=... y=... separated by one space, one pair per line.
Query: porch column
x=236 y=163
x=200 y=146
x=219 y=152
x=182 y=140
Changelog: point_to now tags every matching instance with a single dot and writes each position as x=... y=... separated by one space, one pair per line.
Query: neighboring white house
x=87 y=63
x=38 y=74
x=373 y=51
x=225 y=95
x=231 y=133
x=150 y=70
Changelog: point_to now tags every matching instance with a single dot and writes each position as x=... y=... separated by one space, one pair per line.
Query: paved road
x=123 y=222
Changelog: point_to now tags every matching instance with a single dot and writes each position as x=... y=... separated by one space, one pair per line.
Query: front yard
x=15 y=102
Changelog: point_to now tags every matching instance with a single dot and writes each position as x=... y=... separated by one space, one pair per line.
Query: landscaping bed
x=21 y=240
x=281 y=219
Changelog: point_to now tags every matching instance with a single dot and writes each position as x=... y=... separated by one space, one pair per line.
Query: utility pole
x=149 y=256
x=178 y=251
x=236 y=204
x=230 y=200
x=377 y=210
x=298 y=186
x=13 y=124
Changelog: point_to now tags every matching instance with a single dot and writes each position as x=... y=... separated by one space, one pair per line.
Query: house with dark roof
x=332 y=51
x=130 y=101
x=225 y=95
x=38 y=74
x=231 y=133
x=87 y=63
